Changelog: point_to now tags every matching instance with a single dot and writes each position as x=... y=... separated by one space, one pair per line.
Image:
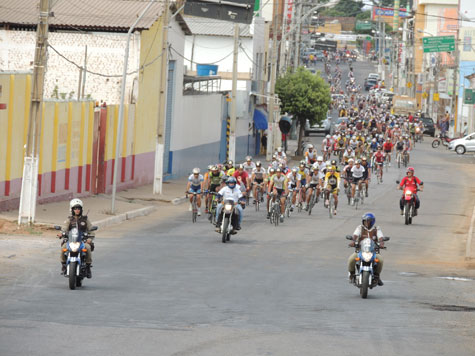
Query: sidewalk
x=129 y=204
x=470 y=247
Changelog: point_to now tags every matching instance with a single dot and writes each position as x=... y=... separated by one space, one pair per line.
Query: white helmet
x=196 y=170
x=310 y=146
x=351 y=160
x=319 y=158
x=75 y=202
x=279 y=149
x=328 y=136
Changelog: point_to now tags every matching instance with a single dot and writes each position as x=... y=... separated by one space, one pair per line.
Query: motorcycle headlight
x=367 y=256
x=74 y=246
x=228 y=207
x=408 y=192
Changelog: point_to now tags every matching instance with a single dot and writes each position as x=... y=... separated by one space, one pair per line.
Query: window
x=467 y=44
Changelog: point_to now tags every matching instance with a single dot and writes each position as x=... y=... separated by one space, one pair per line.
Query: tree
x=305 y=96
x=349 y=8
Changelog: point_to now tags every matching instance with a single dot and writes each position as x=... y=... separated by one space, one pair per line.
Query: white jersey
x=249 y=167
x=357 y=172
x=292 y=179
x=195 y=181
x=259 y=173
x=231 y=194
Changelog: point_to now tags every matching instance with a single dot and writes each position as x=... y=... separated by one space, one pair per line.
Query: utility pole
x=29 y=187
x=84 y=73
x=297 y=37
x=271 y=123
x=159 y=147
x=456 y=67
x=232 y=133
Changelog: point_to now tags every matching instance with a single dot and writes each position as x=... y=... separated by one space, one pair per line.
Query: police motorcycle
x=75 y=250
x=229 y=220
x=366 y=262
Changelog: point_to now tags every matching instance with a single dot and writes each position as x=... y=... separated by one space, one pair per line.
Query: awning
x=260 y=119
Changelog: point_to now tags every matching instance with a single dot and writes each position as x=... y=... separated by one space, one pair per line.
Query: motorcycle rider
x=412 y=183
x=230 y=192
x=82 y=223
x=366 y=229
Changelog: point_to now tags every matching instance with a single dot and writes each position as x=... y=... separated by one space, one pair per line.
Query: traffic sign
x=438 y=44
x=409 y=84
x=368 y=38
x=425 y=95
x=469 y=96
x=436 y=97
x=363 y=25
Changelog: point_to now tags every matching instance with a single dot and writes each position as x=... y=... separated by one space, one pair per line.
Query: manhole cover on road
x=456 y=308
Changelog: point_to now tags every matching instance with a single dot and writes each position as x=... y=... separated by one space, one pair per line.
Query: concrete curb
x=179 y=200
x=468 y=248
x=117 y=219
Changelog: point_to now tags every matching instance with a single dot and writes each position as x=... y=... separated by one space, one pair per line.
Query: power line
x=189 y=60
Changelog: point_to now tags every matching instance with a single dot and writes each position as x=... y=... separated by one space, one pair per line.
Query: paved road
x=168 y=287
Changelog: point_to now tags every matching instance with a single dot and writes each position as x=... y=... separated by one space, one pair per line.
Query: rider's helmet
x=388 y=139
x=240 y=167
x=294 y=170
x=271 y=171
x=315 y=168
x=333 y=162
x=274 y=157
x=258 y=164
x=319 y=159
x=363 y=159
x=230 y=164
x=231 y=182
x=358 y=161
x=75 y=204
x=214 y=169
x=374 y=140
x=278 y=170
x=279 y=149
x=368 y=220
x=210 y=167
x=351 y=160
x=248 y=159
x=196 y=170
x=328 y=136
x=310 y=147
x=410 y=169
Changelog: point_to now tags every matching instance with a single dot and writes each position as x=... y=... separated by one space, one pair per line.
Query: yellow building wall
x=334 y=28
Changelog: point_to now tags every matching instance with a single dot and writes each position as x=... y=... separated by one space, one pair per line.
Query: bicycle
x=194 y=208
x=212 y=208
x=288 y=204
x=275 y=213
x=348 y=191
x=399 y=159
x=312 y=201
x=405 y=159
x=357 y=197
x=331 y=205
x=258 y=198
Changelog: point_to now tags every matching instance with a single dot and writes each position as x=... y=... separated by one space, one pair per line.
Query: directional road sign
x=439 y=44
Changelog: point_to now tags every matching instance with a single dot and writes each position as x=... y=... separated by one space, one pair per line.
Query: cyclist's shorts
x=303 y=182
x=332 y=188
x=258 y=181
x=195 y=189
x=313 y=185
x=212 y=187
x=280 y=192
x=356 y=180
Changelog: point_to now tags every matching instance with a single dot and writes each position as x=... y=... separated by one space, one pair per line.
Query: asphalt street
x=170 y=287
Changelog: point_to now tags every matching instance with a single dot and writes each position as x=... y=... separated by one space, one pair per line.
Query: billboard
x=387 y=12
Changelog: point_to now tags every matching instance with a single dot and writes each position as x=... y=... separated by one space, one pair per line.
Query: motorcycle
x=75 y=251
x=441 y=139
x=409 y=207
x=228 y=220
x=366 y=262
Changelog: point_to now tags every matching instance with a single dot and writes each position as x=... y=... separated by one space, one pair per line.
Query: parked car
x=324 y=127
x=336 y=124
x=387 y=96
x=369 y=83
x=464 y=144
x=429 y=127
x=373 y=76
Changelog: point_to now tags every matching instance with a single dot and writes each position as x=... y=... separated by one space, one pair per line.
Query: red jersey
x=410 y=183
x=242 y=174
x=379 y=157
x=387 y=146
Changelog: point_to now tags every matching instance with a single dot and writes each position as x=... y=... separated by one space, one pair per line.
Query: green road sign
x=368 y=38
x=439 y=44
x=469 y=96
x=363 y=25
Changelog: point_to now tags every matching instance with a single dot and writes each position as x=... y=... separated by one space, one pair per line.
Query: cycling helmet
x=358 y=161
x=328 y=136
x=410 y=169
x=272 y=171
x=368 y=220
x=231 y=182
x=363 y=158
x=75 y=203
x=196 y=171
x=310 y=146
x=230 y=162
x=279 y=149
x=319 y=158
x=240 y=166
x=248 y=158
x=258 y=164
x=210 y=167
x=294 y=170
x=278 y=170
x=351 y=160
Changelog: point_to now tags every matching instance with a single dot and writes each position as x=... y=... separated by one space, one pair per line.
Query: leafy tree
x=348 y=8
x=305 y=96
x=365 y=15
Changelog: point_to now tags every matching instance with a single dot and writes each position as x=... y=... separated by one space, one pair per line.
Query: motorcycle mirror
x=94 y=228
x=397 y=182
x=349 y=237
x=386 y=238
x=57 y=227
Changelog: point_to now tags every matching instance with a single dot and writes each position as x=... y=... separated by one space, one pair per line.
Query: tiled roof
x=84 y=14
x=211 y=27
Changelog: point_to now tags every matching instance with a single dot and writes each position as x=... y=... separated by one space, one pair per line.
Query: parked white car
x=464 y=144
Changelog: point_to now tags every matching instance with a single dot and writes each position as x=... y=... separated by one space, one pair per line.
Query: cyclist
x=242 y=179
x=278 y=188
x=388 y=150
x=215 y=182
x=195 y=185
x=357 y=173
x=304 y=173
x=332 y=185
x=347 y=175
x=229 y=166
x=407 y=146
x=327 y=147
x=366 y=173
x=378 y=159
x=257 y=179
x=310 y=155
x=249 y=165
x=293 y=179
x=314 y=183
x=348 y=154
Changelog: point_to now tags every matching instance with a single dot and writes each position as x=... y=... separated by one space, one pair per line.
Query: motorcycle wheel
x=435 y=143
x=224 y=233
x=78 y=281
x=72 y=275
x=364 y=285
x=407 y=214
